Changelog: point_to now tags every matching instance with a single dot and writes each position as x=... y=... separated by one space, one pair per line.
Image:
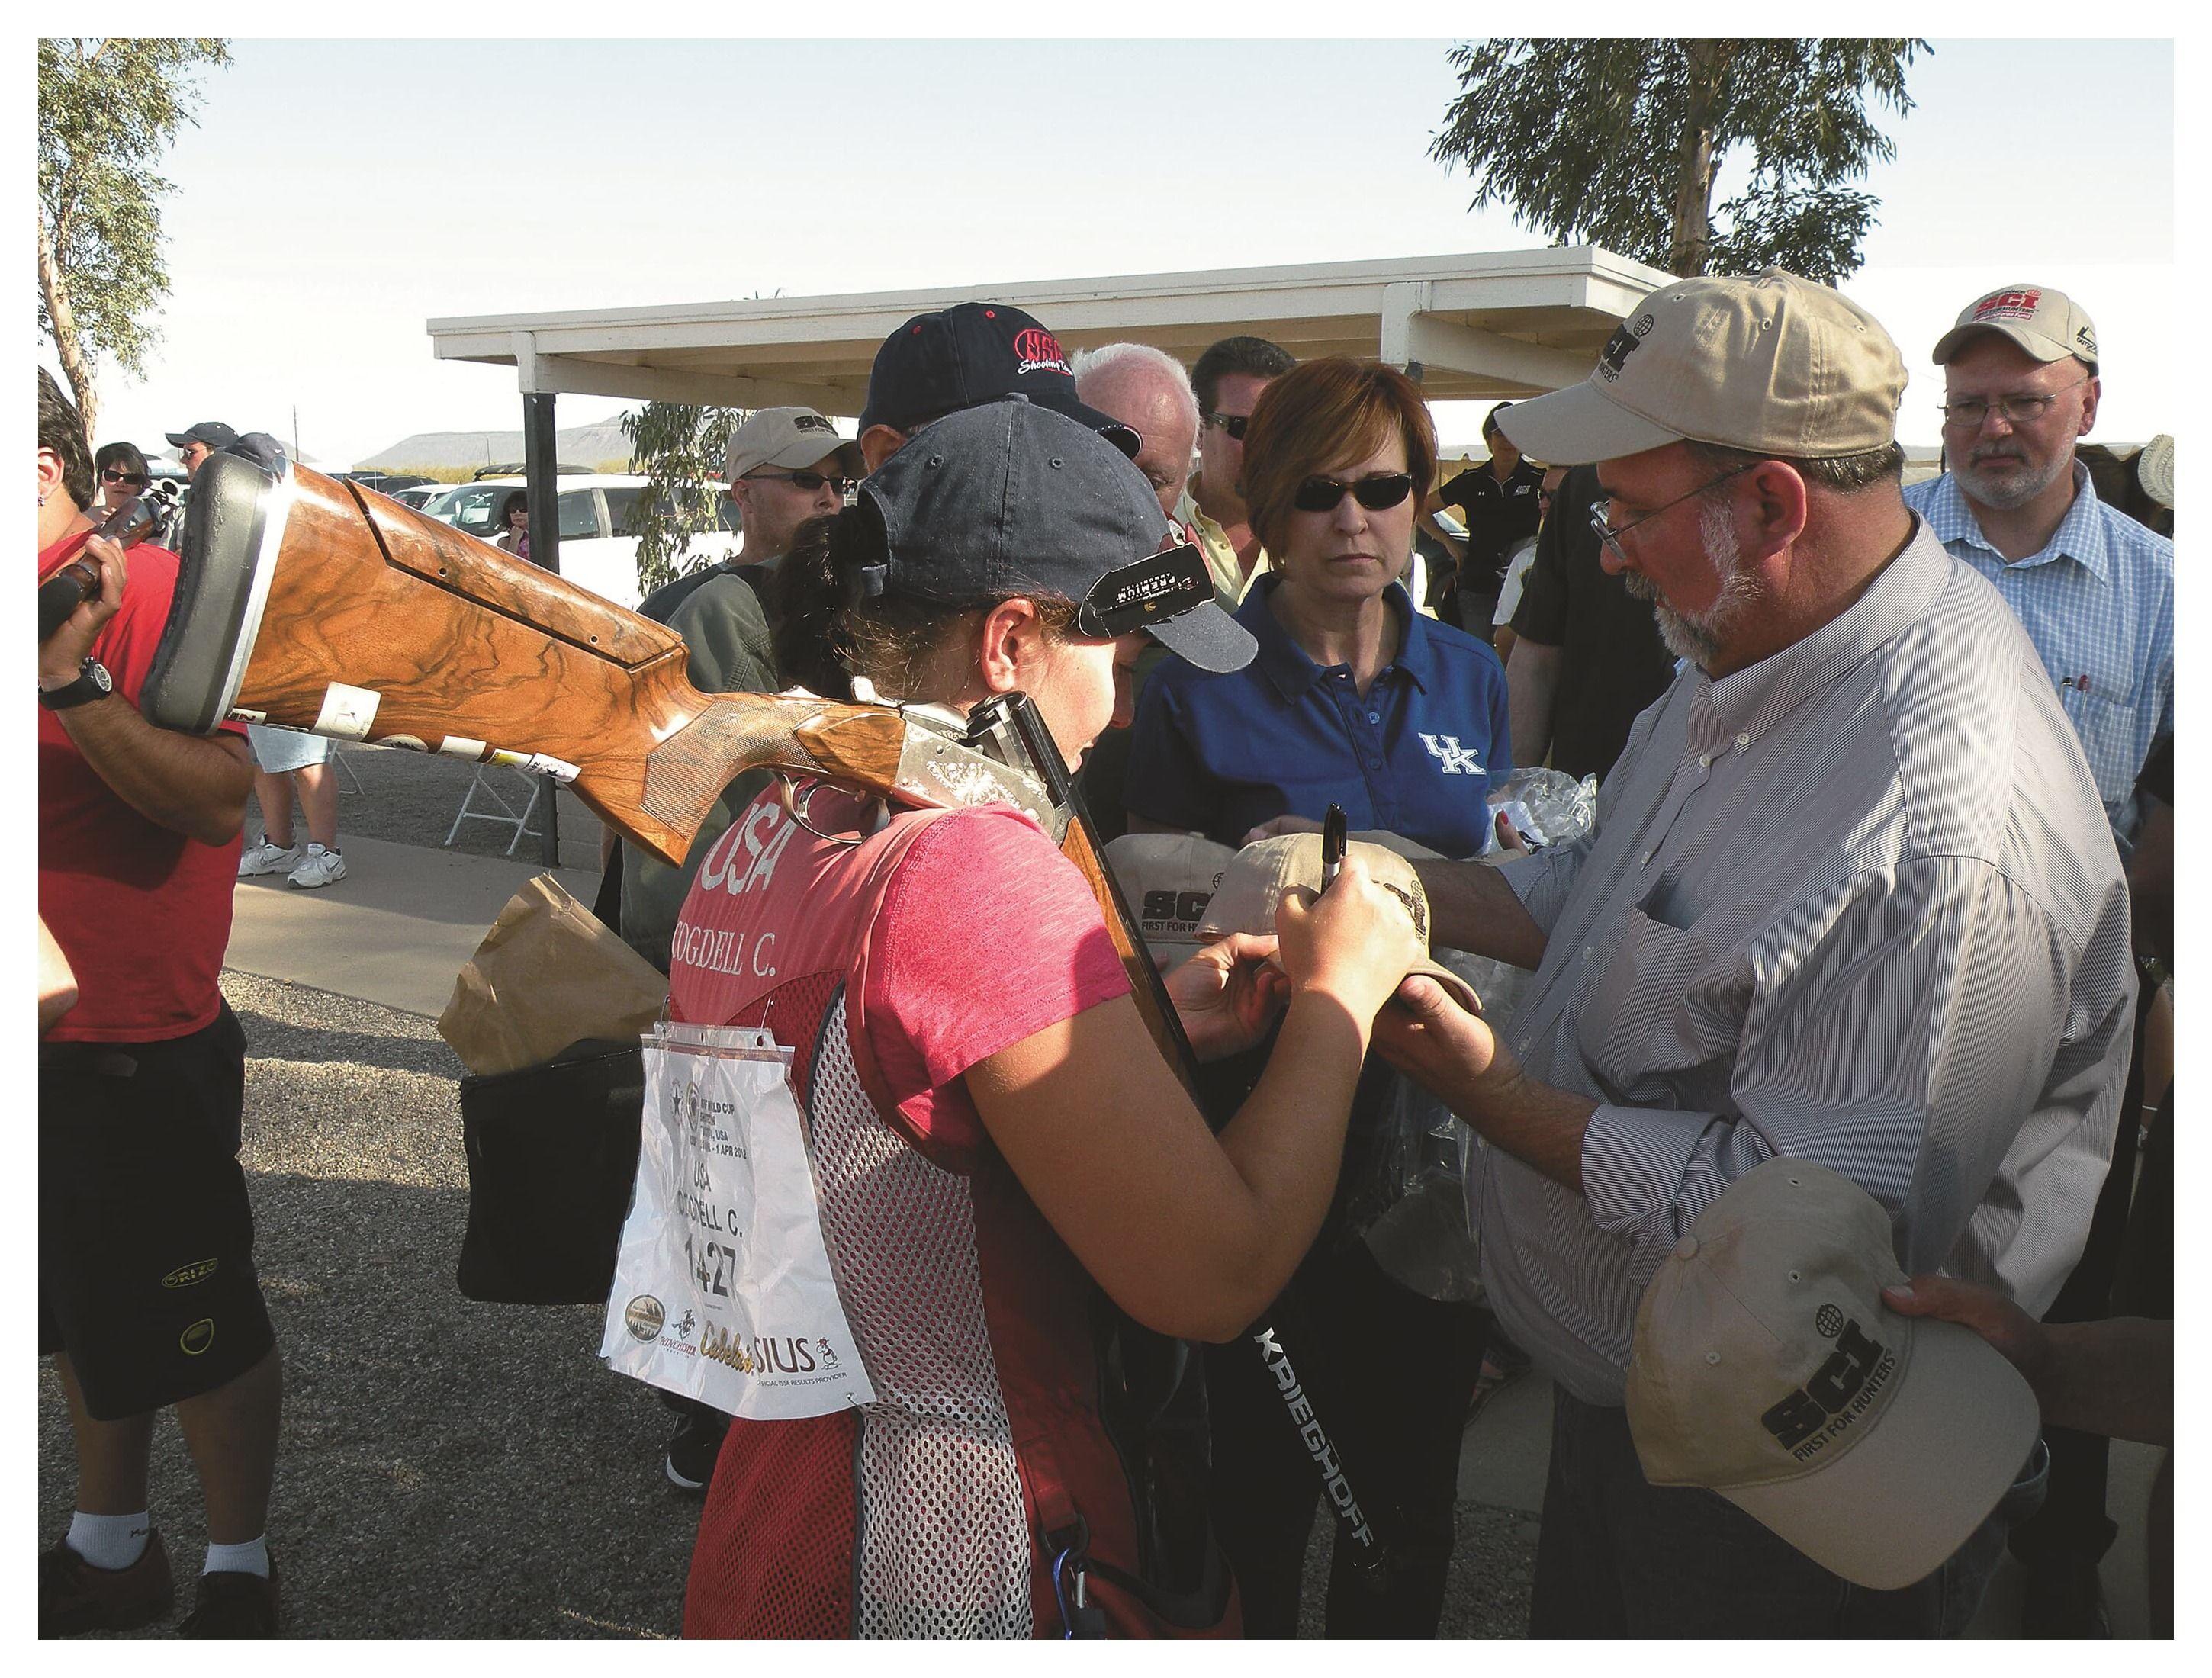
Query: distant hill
x=583 y=445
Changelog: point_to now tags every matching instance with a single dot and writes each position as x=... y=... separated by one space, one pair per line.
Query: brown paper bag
x=549 y=974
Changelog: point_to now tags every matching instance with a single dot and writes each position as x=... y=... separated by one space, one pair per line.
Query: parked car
x=388 y=483
x=599 y=535
x=418 y=494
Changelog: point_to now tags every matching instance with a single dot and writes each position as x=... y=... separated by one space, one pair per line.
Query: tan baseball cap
x=1255 y=882
x=2049 y=324
x=1775 y=365
x=1168 y=879
x=792 y=439
x=1767 y=1368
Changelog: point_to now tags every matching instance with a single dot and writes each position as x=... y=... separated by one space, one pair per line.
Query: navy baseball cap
x=1008 y=497
x=213 y=433
x=939 y=363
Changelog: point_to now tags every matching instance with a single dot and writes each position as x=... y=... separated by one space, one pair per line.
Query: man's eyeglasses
x=1234 y=424
x=807 y=482
x=2023 y=409
x=113 y=475
x=1611 y=535
x=1325 y=495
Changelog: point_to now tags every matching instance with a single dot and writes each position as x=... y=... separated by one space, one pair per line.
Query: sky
x=335 y=195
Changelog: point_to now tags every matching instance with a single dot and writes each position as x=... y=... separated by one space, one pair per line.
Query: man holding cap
x=941 y=363
x=2093 y=589
x=1849 y=898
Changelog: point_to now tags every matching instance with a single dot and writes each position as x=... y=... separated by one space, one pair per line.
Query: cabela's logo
x=184 y=1275
x=644 y=1316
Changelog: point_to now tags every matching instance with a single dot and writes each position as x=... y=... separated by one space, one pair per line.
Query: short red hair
x=1322 y=412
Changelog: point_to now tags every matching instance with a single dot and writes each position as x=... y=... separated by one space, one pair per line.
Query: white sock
x=109 y=1542
x=251 y=1557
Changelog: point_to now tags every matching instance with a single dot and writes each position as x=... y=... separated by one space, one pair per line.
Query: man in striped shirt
x=1850 y=898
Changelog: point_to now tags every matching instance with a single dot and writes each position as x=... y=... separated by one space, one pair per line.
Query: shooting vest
x=1003 y=1450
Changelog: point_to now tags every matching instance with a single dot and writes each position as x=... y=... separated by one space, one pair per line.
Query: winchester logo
x=1036 y=350
x=1841 y=1390
x=1455 y=758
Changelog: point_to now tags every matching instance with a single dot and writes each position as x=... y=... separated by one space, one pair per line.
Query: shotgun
x=311 y=603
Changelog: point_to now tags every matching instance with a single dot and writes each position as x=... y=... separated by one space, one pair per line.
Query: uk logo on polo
x=1455 y=758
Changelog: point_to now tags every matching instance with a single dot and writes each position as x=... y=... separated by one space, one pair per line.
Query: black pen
x=1332 y=845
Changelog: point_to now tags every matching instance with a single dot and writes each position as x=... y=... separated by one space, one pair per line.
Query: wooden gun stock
x=362 y=619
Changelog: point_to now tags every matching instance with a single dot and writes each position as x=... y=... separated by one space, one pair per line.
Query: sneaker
x=233 y=1605
x=693 y=1447
x=319 y=867
x=262 y=858
x=75 y=1596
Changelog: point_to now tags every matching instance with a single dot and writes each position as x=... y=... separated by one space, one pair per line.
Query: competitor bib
x=723 y=1290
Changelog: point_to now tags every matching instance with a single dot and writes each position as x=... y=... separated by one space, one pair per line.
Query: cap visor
x=1900 y=1503
x=1208 y=637
x=178 y=438
x=1577 y=426
x=1061 y=401
x=805 y=451
x=2035 y=344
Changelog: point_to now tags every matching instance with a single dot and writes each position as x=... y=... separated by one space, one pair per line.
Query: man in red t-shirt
x=147 y=1293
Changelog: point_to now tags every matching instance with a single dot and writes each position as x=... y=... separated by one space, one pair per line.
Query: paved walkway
x=401 y=924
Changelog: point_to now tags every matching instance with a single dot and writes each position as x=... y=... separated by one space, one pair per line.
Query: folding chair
x=481 y=784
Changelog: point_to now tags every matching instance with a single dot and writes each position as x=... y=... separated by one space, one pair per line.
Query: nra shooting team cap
x=1767 y=1368
x=1011 y=498
x=2049 y=324
x=1774 y=365
x=791 y=439
x=954 y=358
x=213 y=433
x=1256 y=881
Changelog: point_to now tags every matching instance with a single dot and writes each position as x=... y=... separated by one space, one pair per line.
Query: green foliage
x=679 y=447
x=1618 y=142
x=107 y=109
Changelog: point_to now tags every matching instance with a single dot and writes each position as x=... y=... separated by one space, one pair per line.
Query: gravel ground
x=449 y=1469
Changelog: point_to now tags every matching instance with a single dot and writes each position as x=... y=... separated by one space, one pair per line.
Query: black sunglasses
x=1234 y=424
x=110 y=475
x=807 y=482
x=1324 y=494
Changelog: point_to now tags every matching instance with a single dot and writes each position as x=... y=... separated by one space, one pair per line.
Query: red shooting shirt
x=142 y=913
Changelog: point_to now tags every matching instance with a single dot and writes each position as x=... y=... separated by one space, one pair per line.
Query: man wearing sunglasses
x=1228 y=378
x=1850 y=898
x=2094 y=590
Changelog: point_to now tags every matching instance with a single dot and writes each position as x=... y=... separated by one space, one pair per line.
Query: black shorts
x=145 y=1238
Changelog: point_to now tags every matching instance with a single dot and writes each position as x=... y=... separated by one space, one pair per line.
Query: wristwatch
x=93 y=682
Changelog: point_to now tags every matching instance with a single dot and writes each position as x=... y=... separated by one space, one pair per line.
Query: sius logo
x=1455 y=758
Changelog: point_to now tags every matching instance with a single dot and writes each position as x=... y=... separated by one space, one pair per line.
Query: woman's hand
x=1228 y=994
x=1354 y=941
x=1275 y=824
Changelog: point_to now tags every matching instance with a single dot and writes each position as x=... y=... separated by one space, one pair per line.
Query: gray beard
x=1697 y=635
x=2006 y=485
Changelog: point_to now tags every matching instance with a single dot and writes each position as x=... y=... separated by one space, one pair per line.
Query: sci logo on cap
x=1037 y=350
x=1617 y=347
x=812 y=423
x=2008 y=306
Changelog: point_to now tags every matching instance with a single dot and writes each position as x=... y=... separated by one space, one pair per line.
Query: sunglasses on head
x=1234 y=424
x=1324 y=494
x=806 y=482
x=116 y=475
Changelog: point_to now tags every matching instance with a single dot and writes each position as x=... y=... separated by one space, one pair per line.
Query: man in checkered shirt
x=2093 y=589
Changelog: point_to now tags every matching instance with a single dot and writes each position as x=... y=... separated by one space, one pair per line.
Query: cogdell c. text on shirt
x=1454 y=758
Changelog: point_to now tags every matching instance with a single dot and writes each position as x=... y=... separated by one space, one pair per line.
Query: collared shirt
x=1416 y=754
x=2098 y=603
x=1855 y=904
x=1501 y=513
x=1231 y=584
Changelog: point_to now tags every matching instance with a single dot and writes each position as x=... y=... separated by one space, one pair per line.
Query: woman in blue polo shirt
x=1356 y=699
